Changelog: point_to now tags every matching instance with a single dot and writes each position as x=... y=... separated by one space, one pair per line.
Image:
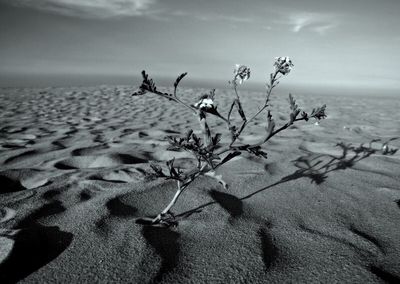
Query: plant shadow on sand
x=229 y=202
x=35 y=245
x=167 y=247
x=312 y=166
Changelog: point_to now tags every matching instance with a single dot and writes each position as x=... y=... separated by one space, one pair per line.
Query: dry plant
x=209 y=152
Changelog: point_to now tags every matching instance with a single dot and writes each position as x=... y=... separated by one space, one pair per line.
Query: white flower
x=242 y=72
x=205 y=103
x=283 y=65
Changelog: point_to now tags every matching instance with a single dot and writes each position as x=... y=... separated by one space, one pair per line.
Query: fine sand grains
x=324 y=207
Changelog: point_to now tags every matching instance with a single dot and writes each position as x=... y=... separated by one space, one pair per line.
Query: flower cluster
x=241 y=72
x=283 y=65
x=204 y=103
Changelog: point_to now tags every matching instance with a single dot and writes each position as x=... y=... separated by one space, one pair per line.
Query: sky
x=335 y=43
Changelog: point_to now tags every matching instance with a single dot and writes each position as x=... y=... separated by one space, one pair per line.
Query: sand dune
x=324 y=207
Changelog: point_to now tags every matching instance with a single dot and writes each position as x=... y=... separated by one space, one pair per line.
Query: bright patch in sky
x=316 y=22
x=89 y=8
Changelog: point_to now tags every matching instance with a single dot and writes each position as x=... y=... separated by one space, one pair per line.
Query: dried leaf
x=257 y=151
x=304 y=115
x=188 y=134
x=196 y=139
x=270 y=124
x=216 y=139
x=180 y=77
x=140 y=92
x=157 y=170
x=319 y=113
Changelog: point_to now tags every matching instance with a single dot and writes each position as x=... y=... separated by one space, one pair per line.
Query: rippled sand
x=324 y=207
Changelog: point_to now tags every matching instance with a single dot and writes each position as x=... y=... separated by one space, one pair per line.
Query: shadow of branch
x=317 y=167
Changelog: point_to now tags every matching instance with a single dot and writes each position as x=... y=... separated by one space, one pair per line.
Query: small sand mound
x=101 y=161
x=6 y=246
x=21 y=157
x=119 y=176
x=27 y=178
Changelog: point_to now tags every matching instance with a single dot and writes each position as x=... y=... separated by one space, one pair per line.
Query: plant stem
x=279 y=130
x=174 y=199
x=269 y=91
x=174 y=98
x=236 y=92
x=204 y=128
x=236 y=102
x=181 y=188
x=181 y=102
x=246 y=146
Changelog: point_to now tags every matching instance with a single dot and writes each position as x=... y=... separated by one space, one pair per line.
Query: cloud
x=323 y=29
x=207 y=17
x=89 y=8
x=316 y=22
x=219 y=17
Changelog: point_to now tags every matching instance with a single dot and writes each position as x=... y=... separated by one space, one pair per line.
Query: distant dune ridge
x=324 y=207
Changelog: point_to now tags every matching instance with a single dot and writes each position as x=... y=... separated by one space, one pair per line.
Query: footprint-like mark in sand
x=369 y=238
x=165 y=242
x=6 y=214
x=329 y=237
x=85 y=195
x=87 y=151
x=48 y=195
x=119 y=209
x=116 y=208
x=229 y=202
x=46 y=210
x=10 y=185
x=32 y=248
x=387 y=277
x=33 y=245
x=269 y=250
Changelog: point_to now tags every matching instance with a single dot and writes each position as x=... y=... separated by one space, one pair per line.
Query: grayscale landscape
x=77 y=150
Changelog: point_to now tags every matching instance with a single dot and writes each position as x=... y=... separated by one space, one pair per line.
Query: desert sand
x=323 y=208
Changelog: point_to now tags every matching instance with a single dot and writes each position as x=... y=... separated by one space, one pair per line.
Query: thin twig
x=246 y=146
